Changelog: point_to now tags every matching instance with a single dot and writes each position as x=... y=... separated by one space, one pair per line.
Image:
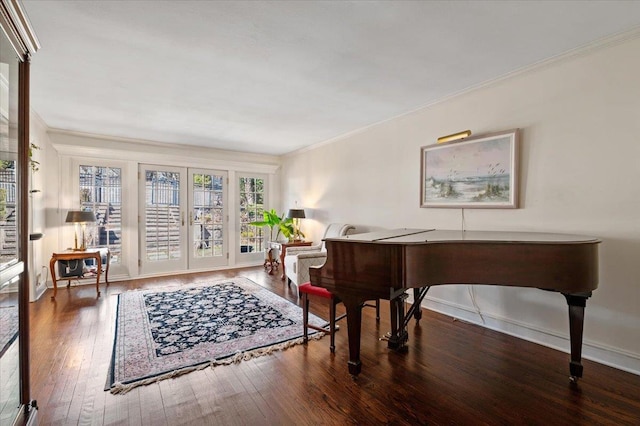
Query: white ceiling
x=274 y=77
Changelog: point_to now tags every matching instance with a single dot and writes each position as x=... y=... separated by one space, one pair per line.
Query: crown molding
x=18 y=29
x=78 y=144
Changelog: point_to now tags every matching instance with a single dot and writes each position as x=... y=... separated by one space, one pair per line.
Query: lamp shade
x=296 y=213
x=79 y=216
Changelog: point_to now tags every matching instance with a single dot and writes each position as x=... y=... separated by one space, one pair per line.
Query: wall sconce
x=296 y=215
x=79 y=217
x=455 y=136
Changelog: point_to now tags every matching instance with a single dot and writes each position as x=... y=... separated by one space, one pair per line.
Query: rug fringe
x=120 y=388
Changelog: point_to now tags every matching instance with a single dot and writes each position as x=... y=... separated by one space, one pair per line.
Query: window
x=101 y=192
x=251 y=194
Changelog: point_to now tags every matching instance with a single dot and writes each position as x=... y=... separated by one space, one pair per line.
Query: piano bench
x=307 y=289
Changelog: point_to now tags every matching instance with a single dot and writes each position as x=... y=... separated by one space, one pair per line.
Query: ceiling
x=275 y=77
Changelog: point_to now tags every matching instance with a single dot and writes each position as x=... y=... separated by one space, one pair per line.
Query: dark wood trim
x=23 y=238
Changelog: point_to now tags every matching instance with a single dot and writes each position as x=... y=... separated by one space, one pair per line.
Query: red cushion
x=317 y=291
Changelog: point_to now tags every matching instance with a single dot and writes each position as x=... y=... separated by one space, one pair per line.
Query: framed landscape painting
x=479 y=172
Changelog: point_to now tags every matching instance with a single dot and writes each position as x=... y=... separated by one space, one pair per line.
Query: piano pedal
x=385 y=338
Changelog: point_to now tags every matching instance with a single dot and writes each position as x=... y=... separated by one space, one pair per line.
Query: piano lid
x=381 y=236
x=421 y=236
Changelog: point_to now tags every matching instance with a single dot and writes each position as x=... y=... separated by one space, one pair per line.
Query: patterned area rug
x=162 y=334
x=8 y=326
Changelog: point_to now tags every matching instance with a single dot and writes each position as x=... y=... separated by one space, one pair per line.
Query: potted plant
x=277 y=224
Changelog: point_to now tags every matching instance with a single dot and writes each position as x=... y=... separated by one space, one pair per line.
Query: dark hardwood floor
x=453 y=373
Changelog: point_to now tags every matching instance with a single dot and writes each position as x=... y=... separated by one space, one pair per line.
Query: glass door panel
x=251 y=194
x=162 y=219
x=101 y=193
x=207 y=218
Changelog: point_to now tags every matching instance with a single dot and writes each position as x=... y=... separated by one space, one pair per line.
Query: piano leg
x=577 y=303
x=354 y=329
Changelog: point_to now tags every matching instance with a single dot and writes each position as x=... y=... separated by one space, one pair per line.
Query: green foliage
x=202 y=180
x=276 y=223
x=35 y=165
x=3 y=203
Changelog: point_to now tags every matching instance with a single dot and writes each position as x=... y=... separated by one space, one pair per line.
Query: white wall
x=39 y=198
x=580 y=173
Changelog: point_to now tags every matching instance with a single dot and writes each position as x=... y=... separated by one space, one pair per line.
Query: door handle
x=182 y=218
x=190 y=218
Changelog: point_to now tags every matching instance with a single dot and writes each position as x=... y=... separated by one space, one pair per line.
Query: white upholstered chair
x=299 y=259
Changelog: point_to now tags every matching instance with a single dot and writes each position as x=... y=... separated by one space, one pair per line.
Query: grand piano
x=385 y=264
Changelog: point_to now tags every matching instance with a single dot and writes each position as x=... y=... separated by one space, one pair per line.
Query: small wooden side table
x=283 y=251
x=270 y=264
x=80 y=255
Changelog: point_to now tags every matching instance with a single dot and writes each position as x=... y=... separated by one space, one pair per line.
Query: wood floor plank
x=151 y=405
x=452 y=373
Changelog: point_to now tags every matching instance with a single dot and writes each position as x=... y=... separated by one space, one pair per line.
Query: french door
x=208 y=219
x=162 y=218
x=183 y=219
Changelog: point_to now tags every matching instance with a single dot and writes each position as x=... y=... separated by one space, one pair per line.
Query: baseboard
x=603 y=354
x=39 y=291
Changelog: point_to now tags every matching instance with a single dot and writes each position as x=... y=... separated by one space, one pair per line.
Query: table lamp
x=296 y=215
x=79 y=217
